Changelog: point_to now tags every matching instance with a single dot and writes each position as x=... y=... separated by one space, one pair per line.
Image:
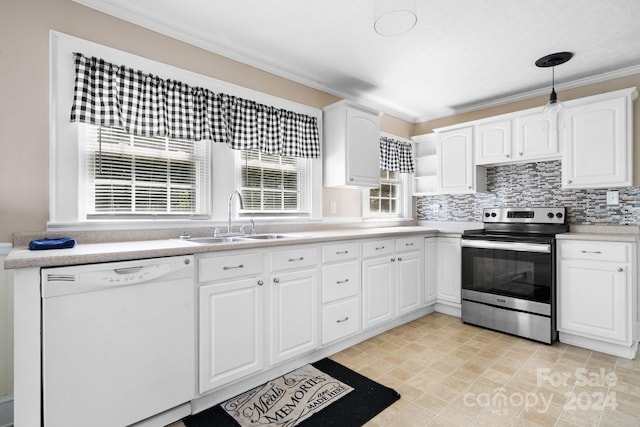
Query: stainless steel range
x=508 y=271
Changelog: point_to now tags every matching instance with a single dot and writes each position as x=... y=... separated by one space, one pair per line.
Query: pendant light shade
x=394 y=17
x=553 y=107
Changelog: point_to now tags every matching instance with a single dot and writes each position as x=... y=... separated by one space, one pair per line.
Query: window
x=387 y=199
x=141 y=176
x=272 y=184
x=81 y=198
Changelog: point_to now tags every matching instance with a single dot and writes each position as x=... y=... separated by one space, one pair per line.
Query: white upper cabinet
x=493 y=142
x=525 y=136
x=351 y=146
x=597 y=134
x=536 y=136
x=457 y=172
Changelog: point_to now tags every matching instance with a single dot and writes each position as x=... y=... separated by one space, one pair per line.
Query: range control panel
x=549 y=215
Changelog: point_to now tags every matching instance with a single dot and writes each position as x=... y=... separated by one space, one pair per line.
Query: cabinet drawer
x=596 y=251
x=340 y=320
x=340 y=251
x=340 y=281
x=404 y=244
x=378 y=247
x=226 y=267
x=294 y=258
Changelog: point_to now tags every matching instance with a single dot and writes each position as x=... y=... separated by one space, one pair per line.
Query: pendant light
x=554 y=106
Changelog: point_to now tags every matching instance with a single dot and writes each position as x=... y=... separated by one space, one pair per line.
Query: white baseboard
x=6 y=410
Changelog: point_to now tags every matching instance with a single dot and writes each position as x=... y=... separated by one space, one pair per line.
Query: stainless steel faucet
x=235 y=192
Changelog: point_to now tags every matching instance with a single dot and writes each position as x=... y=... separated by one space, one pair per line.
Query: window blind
x=274 y=184
x=144 y=176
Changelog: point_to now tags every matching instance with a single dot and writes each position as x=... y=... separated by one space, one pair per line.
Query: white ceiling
x=461 y=55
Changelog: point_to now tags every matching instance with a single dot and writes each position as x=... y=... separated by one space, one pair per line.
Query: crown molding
x=623 y=72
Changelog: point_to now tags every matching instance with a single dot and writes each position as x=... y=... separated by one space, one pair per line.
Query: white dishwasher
x=118 y=341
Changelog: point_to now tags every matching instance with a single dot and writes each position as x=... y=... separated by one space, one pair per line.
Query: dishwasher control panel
x=84 y=278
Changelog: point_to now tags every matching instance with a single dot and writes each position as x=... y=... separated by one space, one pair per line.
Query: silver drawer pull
x=296 y=259
x=343 y=320
x=340 y=282
x=409 y=244
x=233 y=268
x=381 y=247
x=591 y=252
x=342 y=252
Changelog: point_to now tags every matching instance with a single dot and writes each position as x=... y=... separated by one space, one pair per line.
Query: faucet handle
x=216 y=231
x=252 y=232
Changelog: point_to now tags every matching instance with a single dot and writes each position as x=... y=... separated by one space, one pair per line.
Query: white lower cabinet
x=430 y=270
x=597 y=294
x=409 y=274
x=340 y=291
x=293 y=302
x=231 y=319
x=378 y=282
x=449 y=259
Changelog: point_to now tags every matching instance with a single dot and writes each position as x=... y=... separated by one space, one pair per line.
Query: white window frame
x=66 y=201
x=305 y=199
x=406 y=193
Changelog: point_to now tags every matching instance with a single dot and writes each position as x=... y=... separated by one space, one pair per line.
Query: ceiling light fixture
x=553 y=106
x=394 y=17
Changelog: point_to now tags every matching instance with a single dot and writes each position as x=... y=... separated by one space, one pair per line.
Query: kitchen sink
x=209 y=240
x=267 y=237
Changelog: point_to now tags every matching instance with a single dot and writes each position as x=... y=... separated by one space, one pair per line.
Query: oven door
x=519 y=270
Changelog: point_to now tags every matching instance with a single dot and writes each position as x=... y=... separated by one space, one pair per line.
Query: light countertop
x=89 y=253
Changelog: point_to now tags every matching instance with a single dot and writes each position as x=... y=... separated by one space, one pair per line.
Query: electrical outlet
x=613 y=198
x=332 y=207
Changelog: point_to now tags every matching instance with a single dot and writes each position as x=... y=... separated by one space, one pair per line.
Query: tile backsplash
x=533 y=184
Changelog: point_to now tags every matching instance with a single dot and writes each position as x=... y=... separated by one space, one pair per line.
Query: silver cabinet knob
x=507 y=155
x=399 y=259
x=260 y=283
x=620 y=269
x=276 y=280
x=520 y=154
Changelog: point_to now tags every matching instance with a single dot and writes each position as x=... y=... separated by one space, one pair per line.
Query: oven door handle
x=507 y=246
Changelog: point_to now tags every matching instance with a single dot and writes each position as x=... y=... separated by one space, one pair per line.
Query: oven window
x=525 y=275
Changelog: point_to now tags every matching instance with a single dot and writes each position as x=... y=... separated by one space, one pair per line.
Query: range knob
x=559 y=215
x=487 y=214
x=550 y=214
x=493 y=214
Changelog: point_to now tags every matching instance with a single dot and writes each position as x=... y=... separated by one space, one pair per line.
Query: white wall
x=6 y=324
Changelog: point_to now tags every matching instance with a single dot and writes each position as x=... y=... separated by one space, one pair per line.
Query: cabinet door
x=594 y=300
x=597 y=145
x=536 y=137
x=409 y=281
x=449 y=265
x=294 y=314
x=455 y=162
x=431 y=269
x=231 y=334
x=493 y=142
x=378 y=291
x=363 y=148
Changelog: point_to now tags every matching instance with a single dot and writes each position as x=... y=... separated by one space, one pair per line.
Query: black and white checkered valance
x=396 y=155
x=106 y=94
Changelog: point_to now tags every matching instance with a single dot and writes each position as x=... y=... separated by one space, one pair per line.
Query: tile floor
x=451 y=374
